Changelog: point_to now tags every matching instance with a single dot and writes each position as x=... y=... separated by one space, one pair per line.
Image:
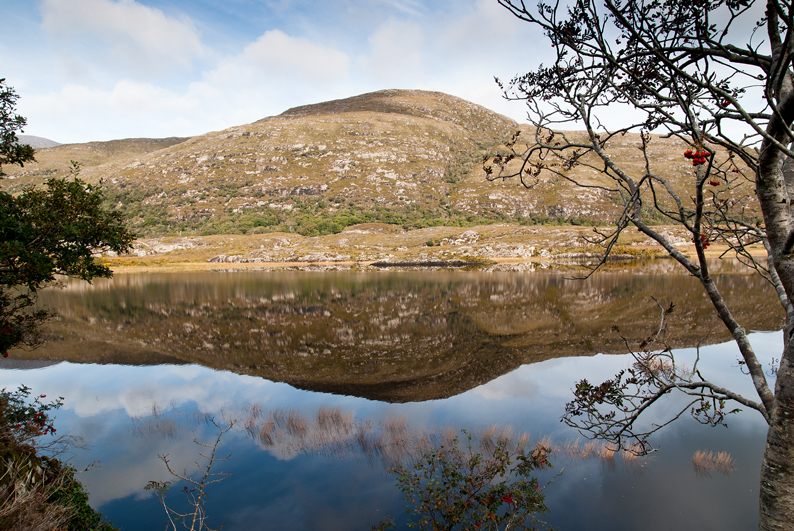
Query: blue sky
x=105 y=69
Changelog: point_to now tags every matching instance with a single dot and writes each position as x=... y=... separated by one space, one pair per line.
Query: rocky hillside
x=54 y=161
x=404 y=157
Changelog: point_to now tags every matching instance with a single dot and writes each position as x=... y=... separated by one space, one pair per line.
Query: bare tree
x=195 y=519
x=715 y=76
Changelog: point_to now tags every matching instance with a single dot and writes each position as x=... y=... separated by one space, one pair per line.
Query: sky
x=89 y=70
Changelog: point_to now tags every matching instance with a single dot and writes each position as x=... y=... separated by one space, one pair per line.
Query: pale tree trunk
x=777 y=470
x=773 y=182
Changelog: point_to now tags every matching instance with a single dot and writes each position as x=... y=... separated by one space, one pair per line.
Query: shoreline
x=500 y=264
x=502 y=247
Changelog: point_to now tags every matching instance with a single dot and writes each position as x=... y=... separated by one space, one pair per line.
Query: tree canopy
x=44 y=232
x=11 y=151
x=716 y=77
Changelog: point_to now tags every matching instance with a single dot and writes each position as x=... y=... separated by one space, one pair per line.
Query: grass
x=706 y=461
x=373 y=242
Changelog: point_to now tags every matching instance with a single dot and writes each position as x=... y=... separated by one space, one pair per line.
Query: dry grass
x=523 y=441
x=487 y=437
x=505 y=243
x=706 y=461
x=337 y=433
x=579 y=449
x=296 y=424
x=607 y=456
x=334 y=419
x=23 y=505
x=368 y=441
x=168 y=422
x=264 y=434
x=446 y=435
x=395 y=425
x=201 y=418
x=166 y=428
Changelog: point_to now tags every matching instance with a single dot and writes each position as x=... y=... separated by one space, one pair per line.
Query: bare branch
x=610 y=411
x=194 y=520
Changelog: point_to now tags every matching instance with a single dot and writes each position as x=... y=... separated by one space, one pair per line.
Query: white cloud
x=487 y=31
x=275 y=52
x=489 y=96
x=396 y=54
x=456 y=52
x=80 y=113
x=271 y=74
x=516 y=384
x=142 y=38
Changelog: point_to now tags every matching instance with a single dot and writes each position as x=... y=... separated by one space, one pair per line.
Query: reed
x=167 y=428
x=706 y=461
x=265 y=432
x=297 y=426
x=337 y=433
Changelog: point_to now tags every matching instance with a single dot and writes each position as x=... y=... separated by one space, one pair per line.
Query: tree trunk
x=772 y=189
x=777 y=470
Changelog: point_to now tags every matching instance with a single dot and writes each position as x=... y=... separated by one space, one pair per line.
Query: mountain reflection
x=388 y=336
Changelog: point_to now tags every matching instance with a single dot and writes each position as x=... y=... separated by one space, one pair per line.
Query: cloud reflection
x=321 y=461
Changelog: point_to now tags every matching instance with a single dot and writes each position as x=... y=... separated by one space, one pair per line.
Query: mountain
x=406 y=157
x=36 y=142
x=54 y=161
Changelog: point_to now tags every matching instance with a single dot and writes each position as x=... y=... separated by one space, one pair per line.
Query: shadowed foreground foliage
x=48 y=232
x=37 y=491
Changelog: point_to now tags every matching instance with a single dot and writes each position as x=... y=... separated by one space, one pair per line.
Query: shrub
x=37 y=491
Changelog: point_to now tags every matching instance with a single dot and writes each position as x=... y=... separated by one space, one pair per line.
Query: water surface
x=402 y=355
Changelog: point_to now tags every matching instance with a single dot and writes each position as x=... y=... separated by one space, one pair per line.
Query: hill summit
x=475 y=119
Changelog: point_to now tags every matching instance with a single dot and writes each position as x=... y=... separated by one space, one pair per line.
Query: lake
x=334 y=377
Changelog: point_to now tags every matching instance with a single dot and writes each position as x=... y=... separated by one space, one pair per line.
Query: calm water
x=397 y=357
